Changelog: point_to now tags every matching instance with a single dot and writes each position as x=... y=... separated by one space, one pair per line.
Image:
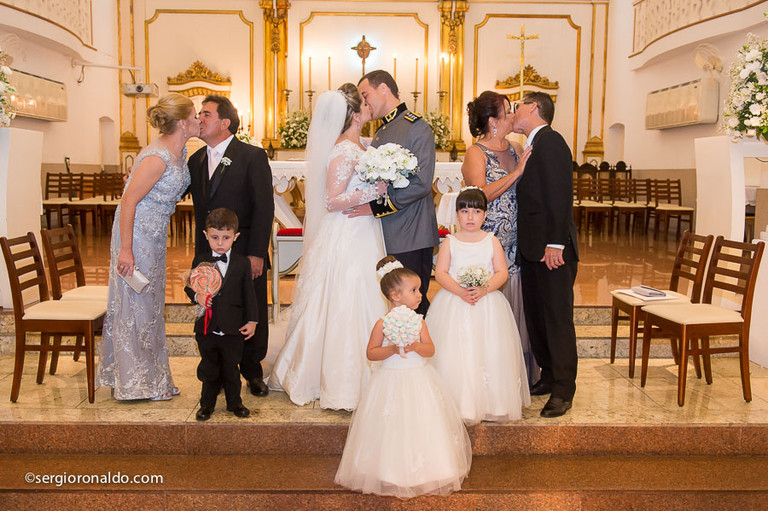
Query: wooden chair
x=88 y=201
x=63 y=257
x=689 y=265
x=732 y=269
x=49 y=317
x=626 y=202
x=59 y=191
x=668 y=204
x=589 y=202
x=111 y=189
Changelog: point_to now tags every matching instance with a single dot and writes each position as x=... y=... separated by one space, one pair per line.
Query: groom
x=230 y=174
x=408 y=216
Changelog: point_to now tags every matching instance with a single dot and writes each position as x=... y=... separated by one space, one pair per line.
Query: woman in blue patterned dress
x=495 y=164
x=133 y=358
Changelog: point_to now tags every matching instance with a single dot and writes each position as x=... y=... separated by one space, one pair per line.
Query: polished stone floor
x=608 y=262
x=605 y=395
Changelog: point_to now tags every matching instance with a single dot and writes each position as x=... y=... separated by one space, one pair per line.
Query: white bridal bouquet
x=402 y=326
x=473 y=275
x=746 y=109
x=391 y=163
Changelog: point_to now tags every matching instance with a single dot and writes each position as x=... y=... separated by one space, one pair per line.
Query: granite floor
x=605 y=395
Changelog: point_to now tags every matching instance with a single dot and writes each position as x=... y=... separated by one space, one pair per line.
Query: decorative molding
x=655 y=19
x=199 y=72
x=530 y=77
x=74 y=16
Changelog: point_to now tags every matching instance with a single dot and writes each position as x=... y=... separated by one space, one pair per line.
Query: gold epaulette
x=412 y=117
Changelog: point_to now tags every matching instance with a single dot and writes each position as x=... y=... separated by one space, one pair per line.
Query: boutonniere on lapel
x=225 y=162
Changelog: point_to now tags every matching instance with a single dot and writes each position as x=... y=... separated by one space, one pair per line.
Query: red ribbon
x=208 y=315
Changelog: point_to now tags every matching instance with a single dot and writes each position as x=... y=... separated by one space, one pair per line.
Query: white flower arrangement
x=388 y=267
x=5 y=89
x=439 y=124
x=473 y=275
x=293 y=130
x=746 y=109
x=391 y=163
x=402 y=326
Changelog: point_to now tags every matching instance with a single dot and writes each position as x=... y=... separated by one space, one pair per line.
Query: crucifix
x=522 y=37
x=363 y=49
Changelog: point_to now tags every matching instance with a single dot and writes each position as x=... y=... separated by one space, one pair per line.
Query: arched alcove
x=108 y=138
x=614 y=143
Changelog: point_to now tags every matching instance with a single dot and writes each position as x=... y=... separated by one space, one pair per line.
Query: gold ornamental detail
x=199 y=72
x=530 y=77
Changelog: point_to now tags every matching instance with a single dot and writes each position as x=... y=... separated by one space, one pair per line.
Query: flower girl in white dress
x=406 y=437
x=479 y=354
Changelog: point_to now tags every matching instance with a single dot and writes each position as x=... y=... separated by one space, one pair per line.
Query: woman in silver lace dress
x=133 y=359
x=495 y=164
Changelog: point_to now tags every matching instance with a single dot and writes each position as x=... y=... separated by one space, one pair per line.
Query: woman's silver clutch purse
x=137 y=280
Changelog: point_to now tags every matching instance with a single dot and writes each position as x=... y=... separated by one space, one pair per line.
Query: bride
x=337 y=299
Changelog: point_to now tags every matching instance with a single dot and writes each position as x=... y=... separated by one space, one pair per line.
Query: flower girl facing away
x=406 y=437
x=479 y=354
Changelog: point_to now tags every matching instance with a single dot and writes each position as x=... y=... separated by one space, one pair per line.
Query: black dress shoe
x=258 y=387
x=541 y=389
x=240 y=411
x=555 y=407
x=204 y=413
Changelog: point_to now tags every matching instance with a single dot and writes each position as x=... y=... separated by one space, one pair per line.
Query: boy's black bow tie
x=222 y=258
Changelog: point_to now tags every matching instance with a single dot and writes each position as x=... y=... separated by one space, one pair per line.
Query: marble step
x=571 y=483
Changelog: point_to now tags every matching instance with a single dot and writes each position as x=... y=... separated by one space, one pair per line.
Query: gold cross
x=522 y=37
x=363 y=49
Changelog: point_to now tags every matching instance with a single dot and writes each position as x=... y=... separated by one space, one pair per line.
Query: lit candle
x=395 y=66
x=440 y=72
x=329 y=72
x=416 y=80
x=310 y=73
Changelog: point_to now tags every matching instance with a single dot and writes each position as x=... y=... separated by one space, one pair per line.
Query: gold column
x=275 y=50
x=451 y=68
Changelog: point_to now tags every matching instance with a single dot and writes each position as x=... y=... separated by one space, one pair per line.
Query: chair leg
x=89 y=362
x=634 y=321
x=78 y=347
x=682 y=372
x=647 y=332
x=695 y=357
x=744 y=366
x=44 y=347
x=18 y=364
x=674 y=346
x=704 y=351
x=55 y=354
x=614 y=331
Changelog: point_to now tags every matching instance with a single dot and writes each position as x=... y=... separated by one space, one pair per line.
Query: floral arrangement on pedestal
x=439 y=124
x=293 y=130
x=746 y=108
x=5 y=89
x=245 y=137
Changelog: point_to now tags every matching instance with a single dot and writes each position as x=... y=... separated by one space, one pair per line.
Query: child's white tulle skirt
x=406 y=437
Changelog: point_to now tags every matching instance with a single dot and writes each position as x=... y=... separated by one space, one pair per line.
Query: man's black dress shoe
x=555 y=407
x=258 y=387
x=204 y=413
x=541 y=389
x=240 y=411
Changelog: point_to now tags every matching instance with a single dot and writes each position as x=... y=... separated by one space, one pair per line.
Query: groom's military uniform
x=408 y=215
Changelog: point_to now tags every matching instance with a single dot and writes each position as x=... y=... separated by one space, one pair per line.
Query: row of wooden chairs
x=690 y=319
x=77 y=195
x=608 y=199
x=52 y=311
x=604 y=169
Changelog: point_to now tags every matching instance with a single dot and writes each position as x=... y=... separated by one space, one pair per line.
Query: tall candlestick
x=416 y=80
x=329 y=72
x=310 y=74
x=450 y=86
x=394 y=58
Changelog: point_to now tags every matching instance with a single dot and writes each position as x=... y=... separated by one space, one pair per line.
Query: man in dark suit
x=547 y=251
x=231 y=174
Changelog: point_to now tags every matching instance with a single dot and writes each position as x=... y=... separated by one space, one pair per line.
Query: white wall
x=46 y=50
x=663 y=64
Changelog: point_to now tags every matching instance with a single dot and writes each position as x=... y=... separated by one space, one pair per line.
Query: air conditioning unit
x=695 y=102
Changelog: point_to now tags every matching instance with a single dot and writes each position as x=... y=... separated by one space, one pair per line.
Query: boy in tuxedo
x=233 y=316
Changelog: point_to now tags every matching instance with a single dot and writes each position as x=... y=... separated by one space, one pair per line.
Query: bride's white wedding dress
x=337 y=299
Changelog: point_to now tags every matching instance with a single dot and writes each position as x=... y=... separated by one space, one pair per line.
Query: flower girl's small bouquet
x=473 y=275
x=402 y=326
x=391 y=163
